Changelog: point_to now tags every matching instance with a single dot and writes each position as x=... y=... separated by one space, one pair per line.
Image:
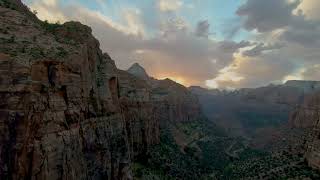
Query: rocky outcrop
x=175 y=103
x=138 y=109
x=138 y=71
x=66 y=111
x=307 y=117
x=177 y=100
x=304 y=115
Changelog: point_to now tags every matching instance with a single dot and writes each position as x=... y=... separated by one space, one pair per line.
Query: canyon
x=67 y=112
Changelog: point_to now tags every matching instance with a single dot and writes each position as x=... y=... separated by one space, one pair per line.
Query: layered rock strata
x=66 y=111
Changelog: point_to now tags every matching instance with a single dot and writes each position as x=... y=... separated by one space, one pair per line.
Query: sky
x=225 y=44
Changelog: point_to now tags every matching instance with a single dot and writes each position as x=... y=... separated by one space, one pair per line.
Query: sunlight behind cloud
x=182 y=36
x=310 y=8
x=179 y=80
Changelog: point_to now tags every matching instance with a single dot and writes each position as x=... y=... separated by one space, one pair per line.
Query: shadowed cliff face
x=307 y=117
x=66 y=111
x=175 y=103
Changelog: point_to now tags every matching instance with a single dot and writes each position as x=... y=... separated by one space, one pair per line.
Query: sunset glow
x=211 y=43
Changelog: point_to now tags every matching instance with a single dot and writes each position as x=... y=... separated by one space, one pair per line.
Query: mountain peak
x=137 y=70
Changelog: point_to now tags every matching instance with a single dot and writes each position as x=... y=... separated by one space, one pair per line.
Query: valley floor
x=216 y=156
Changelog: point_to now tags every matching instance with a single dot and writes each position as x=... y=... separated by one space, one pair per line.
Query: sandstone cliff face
x=138 y=109
x=66 y=111
x=175 y=103
x=307 y=117
x=177 y=100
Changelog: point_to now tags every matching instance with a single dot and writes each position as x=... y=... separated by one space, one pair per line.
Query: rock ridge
x=67 y=112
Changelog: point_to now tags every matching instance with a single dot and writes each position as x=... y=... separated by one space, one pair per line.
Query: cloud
x=267 y=15
x=252 y=72
x=183 y=55
x=312 y=73
x=202 y=29
x=306 y=33
x=53 y=15
x=282 y=43
x=231 y=27
x=286 y=44
x=261 y=48
x=175 y=51
x=310 y=9
x=231 y=46
x=169 y=5
x=173 y=26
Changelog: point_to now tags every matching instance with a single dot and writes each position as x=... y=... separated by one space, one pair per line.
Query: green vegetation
x=145 y=173
x=34 y=38
x=255 y=164
x=50 y=27
x=8 y=4
x=201 y=157
x=12 y=39
x=61 y=52
x=4 y=30
x=207 y=156
x=37 y=52
x=168 y=159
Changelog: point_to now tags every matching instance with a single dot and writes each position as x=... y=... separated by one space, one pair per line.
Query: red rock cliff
x=66 y=111
x=307 y=117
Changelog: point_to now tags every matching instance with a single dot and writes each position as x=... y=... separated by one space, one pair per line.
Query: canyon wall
x=66 y=111
x=307 y=117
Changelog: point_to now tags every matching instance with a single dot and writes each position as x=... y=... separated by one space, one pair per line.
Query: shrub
x=50 y=27
x=62 y=52
x=12 y=39
x=37 y=52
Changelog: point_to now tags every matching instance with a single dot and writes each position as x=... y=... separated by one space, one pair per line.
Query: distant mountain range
x=266 y=115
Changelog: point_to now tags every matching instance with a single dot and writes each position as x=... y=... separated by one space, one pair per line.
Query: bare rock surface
x=307 y=117
x=66 y=111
